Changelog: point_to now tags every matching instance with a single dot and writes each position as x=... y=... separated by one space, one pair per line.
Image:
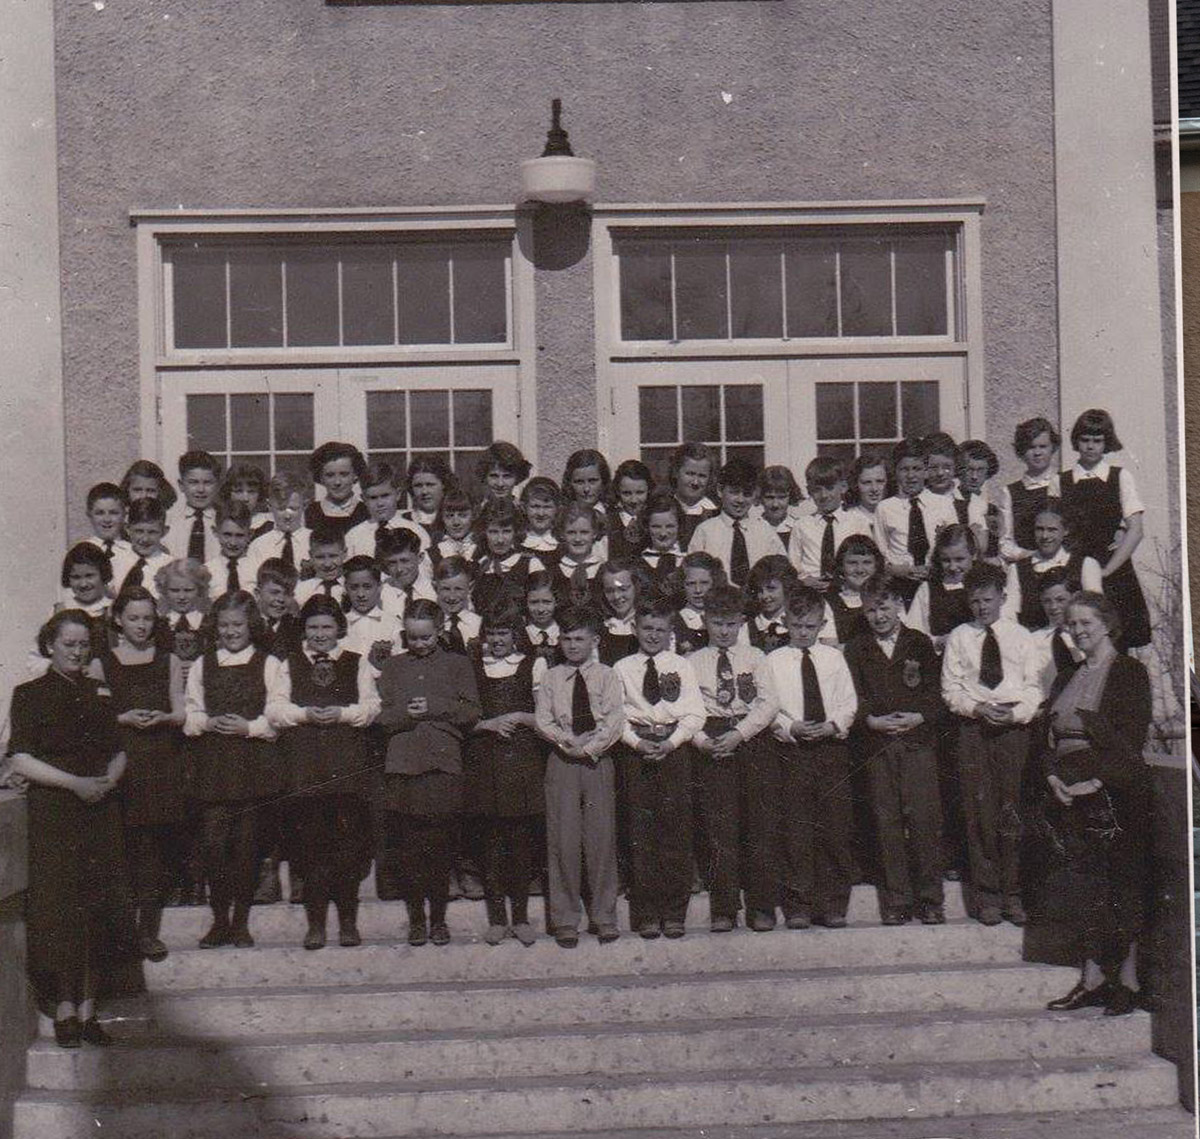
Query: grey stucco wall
x=279 y=103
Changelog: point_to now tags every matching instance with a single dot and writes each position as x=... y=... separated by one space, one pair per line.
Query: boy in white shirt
x=817 y=706
x=663 y=711
x=990 y=681
x=733 y=537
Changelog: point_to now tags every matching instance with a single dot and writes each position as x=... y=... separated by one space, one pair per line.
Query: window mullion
x=728 y=291
x=892 y=282
x=228 y=304
x=783 y=291
x=837 y=285
x=450 y=280
x=674 y=314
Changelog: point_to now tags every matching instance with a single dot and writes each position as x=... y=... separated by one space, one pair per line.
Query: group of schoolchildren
x=616 y=685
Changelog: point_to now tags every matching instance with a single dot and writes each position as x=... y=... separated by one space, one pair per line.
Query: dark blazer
x=1117 y=732
x=909 y=682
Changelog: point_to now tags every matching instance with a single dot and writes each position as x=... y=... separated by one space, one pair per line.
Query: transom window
x=338 y=294
x=799 y=283
x=726 y=417
x=869 y=417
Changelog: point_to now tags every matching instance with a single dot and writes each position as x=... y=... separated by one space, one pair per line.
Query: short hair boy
x=106 y=513
x=382 y=491
x=288 y=494
x=274 y=590
x=580 y=711
x=816 y=538
x=739 y=701
x=733 y=536
x=811 y=779
x=990 y=682
x=663 y=711
x=228 y=566
x=896 y=675
x=190 y=521
x=327 y=555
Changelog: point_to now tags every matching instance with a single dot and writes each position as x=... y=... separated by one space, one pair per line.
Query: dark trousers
x=954 y=827
x=333 y=846
x=815 y=828
x=509 y=842
x=716 y=783
x=991 y=762
x=426 y=857
x=659 y=793
x=906 y=805
x=233 y=838
x=760 y=779
x=158 y=856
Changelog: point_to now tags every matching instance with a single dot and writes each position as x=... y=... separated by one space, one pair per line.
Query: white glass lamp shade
x=558 y=178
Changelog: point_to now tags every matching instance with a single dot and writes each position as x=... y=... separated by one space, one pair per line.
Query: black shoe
x=834 y=921
x=893 y=917
x=1080 y=997
x=1121 y=1001
x=673 y=929
x=418 y=932
x=68 y=1033
x=650 y=930
x=952 y=875
x=315 y=937
x=721 y=925
x=471 y=886
x=152 y=949
x=801 y=919
x=762 y=922
x=241 y=938
x=439 y=933
x=933 y=914
x=348 y=935
x=93 y=1032
x=1012 y=911
x=218 y=934
x=567 y=938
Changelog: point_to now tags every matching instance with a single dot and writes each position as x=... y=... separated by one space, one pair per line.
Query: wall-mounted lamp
x=558 y=176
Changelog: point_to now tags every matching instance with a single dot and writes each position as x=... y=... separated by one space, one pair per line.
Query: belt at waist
x=719 y=725
x=654 y=731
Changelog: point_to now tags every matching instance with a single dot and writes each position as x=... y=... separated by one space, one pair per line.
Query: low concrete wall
x=18 y=1021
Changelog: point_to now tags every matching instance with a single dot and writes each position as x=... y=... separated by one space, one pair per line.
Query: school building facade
x=817 y=227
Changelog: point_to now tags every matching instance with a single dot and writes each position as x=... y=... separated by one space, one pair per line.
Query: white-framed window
x=841 y=327
x=406 y=333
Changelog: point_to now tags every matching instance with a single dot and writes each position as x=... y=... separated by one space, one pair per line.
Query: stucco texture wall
x=280 y=103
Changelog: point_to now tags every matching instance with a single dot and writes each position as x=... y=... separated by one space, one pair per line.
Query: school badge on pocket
x=746 y=687
x=669 y=685
x=322 y=673
x=912 y=673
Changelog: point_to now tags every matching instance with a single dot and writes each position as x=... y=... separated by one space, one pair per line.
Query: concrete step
x=386 y=962
x=184 y=925
x=794 y=1095
x=616 y=1049
x=397 y=1007
x=1142 y=1123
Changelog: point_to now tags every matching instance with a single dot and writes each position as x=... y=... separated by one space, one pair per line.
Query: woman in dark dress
x=1099 y=817
x=504 y=770
x=65 y=743
x=146 y=683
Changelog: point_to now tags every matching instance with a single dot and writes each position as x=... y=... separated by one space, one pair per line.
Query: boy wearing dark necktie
x=579 y=710
x=990 y=681
x=739 y=702
x=663 y=711
x=817 y=705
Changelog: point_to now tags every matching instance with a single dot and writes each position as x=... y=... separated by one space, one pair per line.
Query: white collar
x=762 y=621
x=1041 y=564
x=1100 y=471
x=550 y=631
x=505 y=563
x=242 y=656
x=568 y=564
x=333 y=654
x=674 y=552
x=692 y=618
x=339 y=509
x=704 y=505
x=621 y=626
x=514 y=657
x=951 y=586
x=354 y=616
x=1037 y=482
x=541 y=543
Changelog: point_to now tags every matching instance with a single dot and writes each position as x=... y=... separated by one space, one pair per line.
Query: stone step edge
x=156 y=1040
x=1108 y=1066
x=606 y=981
x=1118 y=1123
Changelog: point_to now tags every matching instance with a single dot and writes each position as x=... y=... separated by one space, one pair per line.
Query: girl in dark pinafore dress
x=234 y=771
x=146 y=682
x=1104 y=513
x=322 y=699
x=504 y=567
x=504 y=770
